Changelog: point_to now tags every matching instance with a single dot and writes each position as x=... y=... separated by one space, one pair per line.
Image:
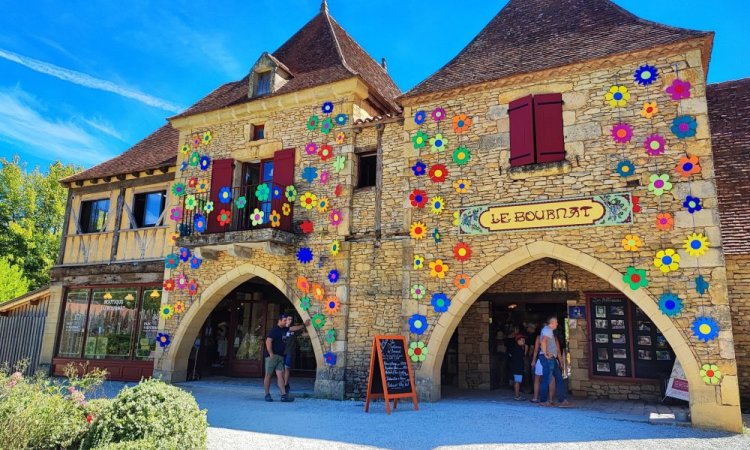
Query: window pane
x=149 y=323
x=74 y=320
x=148 y=207
x=263 y=85
x=268 y=171
x=111 y=321
x=94 y=215
x=367 y=169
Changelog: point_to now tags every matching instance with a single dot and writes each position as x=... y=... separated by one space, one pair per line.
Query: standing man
x=550 y=359
x=290 y=349
x=274 y=353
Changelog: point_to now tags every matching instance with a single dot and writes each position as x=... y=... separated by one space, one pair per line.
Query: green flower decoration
x=417 y=351
x=659 y=184
x=304 y=303
x=339 y=163
x=257 y=217
x=331 y=336
x=208 y=207
x=178 y=189
x=312 y=123
x=419 y=140
x=190 y=202
x=318 y=321
x=291 y=193
x=418 y=291
x=461 y=155
x=194 y=159
x=635 y=278
x=438 y=143
x=326 y=126
x=262 y=192
x=240 y=202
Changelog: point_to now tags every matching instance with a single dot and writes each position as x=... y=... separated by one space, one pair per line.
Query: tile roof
x=729 y=114
x=532 y=35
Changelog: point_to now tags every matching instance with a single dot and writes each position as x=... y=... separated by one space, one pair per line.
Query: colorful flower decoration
x=334 y=248
x=417 y=351
x=311 y=148
x=303 y=285
x=438 y=269
x=197 y=140
x=276 y=192
x=456 y=218
x=418 y=262
x=649 y=110
x=194 y=159
x=696 y=244
x=309 y=174
x=325 y=153
x=178 y=189
x=173 y=237
x=688 y=166
x=204 y=163
x=168 y=285
x=693 y=204
x=336 y=217
x=625 y=168
x=171 y=261
x=207 y=138
x=338 y=190
x=419 y=168
x=705 y=328
x=419 y=117
x=670 y=304
x=437 y=173
x=339 y=163
x=440 y=302
x=225 y=195
x=462 y=251
x=636 y=204
x=166 y=311
x=659 y=184
x=617 y=96
x=417 y=324
x=308 y=200
x=436 y=236
x=317 y=291
x=417 y=291
x=322 y=204
x=318 y=321
x=330 y=358
x=646 y=75
x=304 y=255
x=438 y=114
x=185 y=148
x=262 y=192
x=331 y=305
x=461 y=123
x=195 y=263
x=330 y=336
x=327 y=108
x=655 y=145
x=635 y=278
x=286 y=209
x=208 y=207
x=183 y=166
x=163 y=339
x=185 y=254
x=461 y=186
x=462 y=281
x=679 y=89
x=240 y=202
x=437 y=204
x=192 y=287
x=256 y=218
x=710 y=374
x=684 y=126
x=324 y=177
x=438 y=143
x=632 y=242
x=176 y=214
x=622 y=133
x=701 y=285
x=224 y=217
x=312 y=123
x=201 y=187
x=306 y=227
x=305 y=303
x=664 y=221
x=667 y=260
x=199 y=223
x=333 y=276
x=291 y=193
x=419 y=140
x=192 y=182
x=341 y=119
x=418 y=198
x=418 y=230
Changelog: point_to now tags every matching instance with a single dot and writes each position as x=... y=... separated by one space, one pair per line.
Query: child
x=517 y=365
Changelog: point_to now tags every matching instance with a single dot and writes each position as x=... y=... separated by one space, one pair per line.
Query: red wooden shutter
x=283 y=176
x=521 y=113
x=548 y=123
x=222 y=174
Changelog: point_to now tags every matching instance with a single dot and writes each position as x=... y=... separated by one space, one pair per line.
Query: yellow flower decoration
x=179 y=307
x=207 y=138
x=710 y=374
x=201 y=187
x=286 y=209
x=696 y=244
x=461 y=186
x=632 y=242
x=275 y=219
x=418 y=262
x=340 y=137
x=166 y=311
x=618 y=96
x=456 y=218
x=438 y=269
x=667 y=260
x=185 y=148
x=418 y=230
x=437 y=204
x=649 y=110
x=323 y=204
x=173 y=237
x=335 y=248
x=308 y=200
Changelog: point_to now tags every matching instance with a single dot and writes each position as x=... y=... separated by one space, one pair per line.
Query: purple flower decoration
x=655 y=145
x=324 y=177
x=419 y=168
x=679 y=89
x=646 y=74
x=176 y=214
x=622 y=133
x=333 y=276
x=419 y=117
x=438 y=114
x=311 y=148
x=693 y=204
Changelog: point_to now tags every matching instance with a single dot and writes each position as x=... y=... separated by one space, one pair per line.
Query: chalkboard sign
x=390 y=377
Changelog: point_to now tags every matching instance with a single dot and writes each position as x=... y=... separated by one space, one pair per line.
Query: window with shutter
x=521 y=115
x=548 y=128
x=222 y=175
x=283 y=176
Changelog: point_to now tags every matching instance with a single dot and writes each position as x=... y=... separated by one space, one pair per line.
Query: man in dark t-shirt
x=274 y=356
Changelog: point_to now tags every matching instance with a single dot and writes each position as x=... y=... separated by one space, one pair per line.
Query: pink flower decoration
x=679 y=89
x=324 y=177
x=181 y=281
x=176 y=214
x=311 y=148
x=622 y=133
x=655 y=145
x=336 y=217
x=438 y=114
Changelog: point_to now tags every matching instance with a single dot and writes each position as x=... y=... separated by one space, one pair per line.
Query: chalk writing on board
x=395 y=366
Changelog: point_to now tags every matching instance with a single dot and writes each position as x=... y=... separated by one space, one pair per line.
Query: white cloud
x=86 y=80
x=103 y=126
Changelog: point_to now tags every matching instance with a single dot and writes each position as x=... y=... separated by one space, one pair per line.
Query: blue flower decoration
x=701 y=285
x=330 y=358
x=705 y=328
x=183 y=166
x=304 y=255
x=205 y=162
x=225 y=195
x=327 y=108
x=195 y=262
x=417 y=324
x=625 y=168
x=646 y=74
x=419 y=168
x=309 y=174
x=276 y=192
x=333 y=276
x=171 y=261
x=163 y=339
x=341 y=119
x=670 y=304
x=185 y=254
x=199 y=223
x=419 y=117
x=436 y=236
x=440 y=302
x=684 y=126
x=693 y=204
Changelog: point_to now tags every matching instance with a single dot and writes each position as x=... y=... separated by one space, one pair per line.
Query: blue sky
x=81 y=81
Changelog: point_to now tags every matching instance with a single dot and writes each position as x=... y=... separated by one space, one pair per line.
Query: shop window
x=148 y=207
x=73 y=323
x=93 y=218
x=536 y=130
x=112 y=317
x=258 y=132
x=148 y=323
x=368 y=167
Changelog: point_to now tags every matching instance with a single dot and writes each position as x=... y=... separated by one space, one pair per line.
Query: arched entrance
x=172 y=366
x=705 y=401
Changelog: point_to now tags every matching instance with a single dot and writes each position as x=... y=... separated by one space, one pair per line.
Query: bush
x=150 y=415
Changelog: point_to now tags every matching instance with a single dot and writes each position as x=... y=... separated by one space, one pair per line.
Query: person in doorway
x=517 y=365
x=536 y=367
x=274 y=359
x=528 y=373
x=290 y=347
x=550 y=359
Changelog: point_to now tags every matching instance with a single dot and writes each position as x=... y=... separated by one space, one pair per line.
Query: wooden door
x=248 y=331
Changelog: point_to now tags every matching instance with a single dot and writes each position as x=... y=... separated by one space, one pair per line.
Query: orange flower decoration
x=173 y=237
x=418 y=230
x=303 y=284
x=649 y=110
x=438 y=269
x=462 y=251
x=664 y=221
x=179 y=307
x=462 y=281
x=688 y=165
x=318 y=292
x=169 y=285
x=461 y=123
x=331 y=305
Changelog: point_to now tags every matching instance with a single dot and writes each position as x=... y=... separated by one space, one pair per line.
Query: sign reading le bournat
x=596 y=210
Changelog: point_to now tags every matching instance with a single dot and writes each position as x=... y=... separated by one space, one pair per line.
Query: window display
x=74 y=322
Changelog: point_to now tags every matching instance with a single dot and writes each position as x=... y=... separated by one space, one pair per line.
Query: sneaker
x=286 y=398
x=268 y=398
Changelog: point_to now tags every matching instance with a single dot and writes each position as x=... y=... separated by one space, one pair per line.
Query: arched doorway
x=705 y=401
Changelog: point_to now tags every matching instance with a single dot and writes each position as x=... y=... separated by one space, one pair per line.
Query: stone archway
x=706 y=405
x=172 y=365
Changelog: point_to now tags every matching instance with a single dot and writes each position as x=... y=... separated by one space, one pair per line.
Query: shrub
x=152 y=414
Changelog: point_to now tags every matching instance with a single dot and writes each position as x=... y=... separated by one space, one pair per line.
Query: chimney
x=383 y=64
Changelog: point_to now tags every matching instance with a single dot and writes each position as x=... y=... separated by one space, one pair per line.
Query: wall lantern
x=107 y=296
x=559 y=279
x=154 y=294
x=129 y=297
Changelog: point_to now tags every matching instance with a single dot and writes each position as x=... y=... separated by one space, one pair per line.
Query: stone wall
x=738 y=282
x=473 y=348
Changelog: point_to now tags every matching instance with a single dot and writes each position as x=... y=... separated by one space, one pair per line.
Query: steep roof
x=729 y=115
x=532 y=35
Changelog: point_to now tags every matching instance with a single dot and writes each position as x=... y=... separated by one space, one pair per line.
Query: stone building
x=570 y=161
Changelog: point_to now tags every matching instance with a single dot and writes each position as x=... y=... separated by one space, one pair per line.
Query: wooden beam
x=530 y=297
x=118 y=221
x=126 y=184
x=66 y=225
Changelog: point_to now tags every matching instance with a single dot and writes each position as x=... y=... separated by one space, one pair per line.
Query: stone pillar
x=473 y=348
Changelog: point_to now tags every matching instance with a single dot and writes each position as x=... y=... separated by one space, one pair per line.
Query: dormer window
x=267 y=76
x=263 y=82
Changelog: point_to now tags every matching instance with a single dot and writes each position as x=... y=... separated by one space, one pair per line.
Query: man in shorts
x=274 y=362
x=550 y=357
x=290 y=350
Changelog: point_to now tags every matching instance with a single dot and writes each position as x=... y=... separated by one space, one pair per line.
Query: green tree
x=32 y=207
x=14 y=283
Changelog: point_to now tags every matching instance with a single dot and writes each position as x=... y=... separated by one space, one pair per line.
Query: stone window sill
x=540 y=170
